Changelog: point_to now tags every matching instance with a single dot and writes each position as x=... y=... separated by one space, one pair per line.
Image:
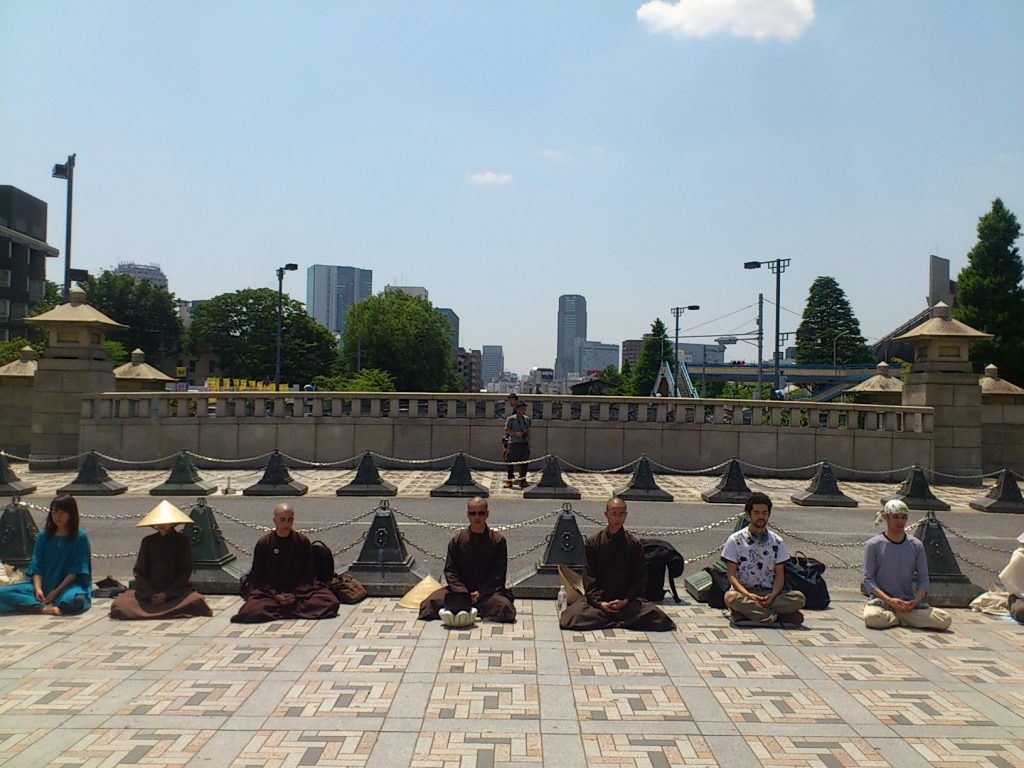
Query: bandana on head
x=892 y=507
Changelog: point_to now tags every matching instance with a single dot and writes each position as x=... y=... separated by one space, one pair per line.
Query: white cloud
x=556 y=155
x=759 y=19
x=489 y=177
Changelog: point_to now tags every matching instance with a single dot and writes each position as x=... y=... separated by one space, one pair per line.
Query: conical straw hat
x=419 y=593
x=162 y=514
x=572 y=582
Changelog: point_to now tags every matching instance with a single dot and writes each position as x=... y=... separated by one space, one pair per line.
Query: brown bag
x=347 y=589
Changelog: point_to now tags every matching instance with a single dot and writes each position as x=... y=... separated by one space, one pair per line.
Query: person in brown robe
x=477 y=563
x=282 y=582
x=162 y=571
x=614 y=577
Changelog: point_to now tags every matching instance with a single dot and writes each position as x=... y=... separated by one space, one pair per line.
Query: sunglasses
x=473 y=513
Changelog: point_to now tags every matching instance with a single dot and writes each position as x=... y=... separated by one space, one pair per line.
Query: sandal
x=507 y=484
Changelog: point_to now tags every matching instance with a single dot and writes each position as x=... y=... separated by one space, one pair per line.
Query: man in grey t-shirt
x=890 y=562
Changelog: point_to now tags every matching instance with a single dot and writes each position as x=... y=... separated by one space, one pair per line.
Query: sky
x=503 y=154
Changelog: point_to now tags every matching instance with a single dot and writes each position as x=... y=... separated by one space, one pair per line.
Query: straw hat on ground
x=419 y=593
x=573 y=583
x=164 y=513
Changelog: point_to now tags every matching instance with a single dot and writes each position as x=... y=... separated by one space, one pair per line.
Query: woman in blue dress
x=61 y=578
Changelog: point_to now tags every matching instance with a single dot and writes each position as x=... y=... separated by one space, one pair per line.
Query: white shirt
x=755 y=558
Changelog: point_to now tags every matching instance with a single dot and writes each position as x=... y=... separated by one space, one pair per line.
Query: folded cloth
x=992 y=603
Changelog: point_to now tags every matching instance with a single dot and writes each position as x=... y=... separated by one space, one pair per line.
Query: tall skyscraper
x=572 y=325
x=492 y=362
x=332 y=291
x=453 y=327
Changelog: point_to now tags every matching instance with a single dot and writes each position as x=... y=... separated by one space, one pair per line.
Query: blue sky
x=502 y=154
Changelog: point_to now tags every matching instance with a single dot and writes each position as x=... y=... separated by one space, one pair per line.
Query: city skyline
x=636 y=154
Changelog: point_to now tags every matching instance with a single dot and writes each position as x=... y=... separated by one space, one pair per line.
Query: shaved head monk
x=282 y=582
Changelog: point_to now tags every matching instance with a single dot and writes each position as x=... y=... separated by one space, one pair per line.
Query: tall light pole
x=280 y=303
x=676 y=312
x=777 y=267
x=837 y=338
x=67 y=171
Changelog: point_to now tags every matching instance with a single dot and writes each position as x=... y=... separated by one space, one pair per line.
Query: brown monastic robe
x=614 y=569
x=476 y=562
x=284 y=565
x=164 y=565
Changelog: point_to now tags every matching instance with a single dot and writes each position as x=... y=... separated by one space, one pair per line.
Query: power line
x=716 y=319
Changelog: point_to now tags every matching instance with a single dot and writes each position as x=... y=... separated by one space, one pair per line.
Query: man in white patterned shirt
x=754 y=558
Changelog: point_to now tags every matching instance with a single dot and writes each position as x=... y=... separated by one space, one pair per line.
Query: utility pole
x=676 y=312
x=760 y=342
x=67 y=171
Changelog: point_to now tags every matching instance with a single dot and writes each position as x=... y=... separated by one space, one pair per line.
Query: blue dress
x=53 y=558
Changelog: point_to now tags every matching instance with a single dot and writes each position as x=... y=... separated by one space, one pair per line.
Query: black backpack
x=661 y=556
x=323 y=562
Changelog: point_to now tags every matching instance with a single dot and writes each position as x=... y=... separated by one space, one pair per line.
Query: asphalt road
x=832 y=535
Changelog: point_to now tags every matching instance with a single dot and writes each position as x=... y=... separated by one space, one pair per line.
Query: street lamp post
x=777 y=267
x=841 y=334
x=67 y=171
x=676 y=312
x=280 y=303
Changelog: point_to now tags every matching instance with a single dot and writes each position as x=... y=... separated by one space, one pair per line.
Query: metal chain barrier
x=306 y=462
x=503 y=464
x=114 y=557
x=413 y=461
x=418 y=548
x=347 y=547
x=779 y=469
x=534 y=548
x=136 y=461
x=676 y=470
x=332 y=526
x=791 y=535
x=936 y=473
x=233 y=545
x=979 y=566
x=612 y=471
x=968 y=539
x=239 y=521
x=57 y=460
x=874 y=471
x=228 y=461
x=687 y=531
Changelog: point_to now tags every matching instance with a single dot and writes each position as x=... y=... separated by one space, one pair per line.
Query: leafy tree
x=403 y=335
x=367 y=380
x=147 y=309
x=10 y=350
x=989 y=293
x=656 y=347
x=829 y=320
x=116 y=352
x=240 y=329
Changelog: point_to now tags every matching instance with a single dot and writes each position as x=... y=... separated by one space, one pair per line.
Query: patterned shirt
x=755 y=557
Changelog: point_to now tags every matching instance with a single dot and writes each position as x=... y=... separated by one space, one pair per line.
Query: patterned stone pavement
x=377 y=688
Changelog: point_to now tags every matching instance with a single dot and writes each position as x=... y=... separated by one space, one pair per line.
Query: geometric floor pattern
x=377 y=688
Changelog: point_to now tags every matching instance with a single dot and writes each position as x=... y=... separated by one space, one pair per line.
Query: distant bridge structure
x=825 y=382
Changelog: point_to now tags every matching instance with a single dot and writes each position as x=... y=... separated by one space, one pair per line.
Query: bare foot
x=50 y=610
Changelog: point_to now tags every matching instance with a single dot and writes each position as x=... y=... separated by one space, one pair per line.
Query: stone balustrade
x=589 y=431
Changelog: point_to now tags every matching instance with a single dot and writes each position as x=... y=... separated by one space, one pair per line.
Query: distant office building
x=572 y=325
x=413 y=290
x=541 y=381
x=493 y=361
x=23 y=254
x=592 y=357
x=140 y=272
x=698 y=354
x=470 y=364
x=631 y=351
x=331 y=291
x=453 y=327
x=187 y=308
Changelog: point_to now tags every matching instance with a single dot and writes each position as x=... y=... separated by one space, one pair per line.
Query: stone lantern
x=140 y=376
x=881 y=389
x=16 y=380
x=74 y=363
x=941 y=378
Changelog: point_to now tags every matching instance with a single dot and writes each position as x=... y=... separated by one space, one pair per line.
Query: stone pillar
x=74 y=363
x=941 y=378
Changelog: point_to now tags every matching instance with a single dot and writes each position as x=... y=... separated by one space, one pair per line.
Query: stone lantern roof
x=883 y=381
x=26 y=366
x=941 y=344
x=139 y=370
x=991 y=384
x=76 y=312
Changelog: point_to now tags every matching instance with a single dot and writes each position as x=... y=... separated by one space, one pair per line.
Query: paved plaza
x=376 y=687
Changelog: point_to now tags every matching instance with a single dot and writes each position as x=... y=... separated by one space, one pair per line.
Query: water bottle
x=561 y=600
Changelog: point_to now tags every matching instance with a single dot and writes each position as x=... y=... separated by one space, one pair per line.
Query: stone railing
x=592 y=432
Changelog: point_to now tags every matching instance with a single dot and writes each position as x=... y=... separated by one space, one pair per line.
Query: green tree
x=367 y=380
x=403 y=335
x=147 y=309
x=10 y=350
x=240 y=330
x=829 y=325
x=989 y=293
x=116 y=352
x=655 y=349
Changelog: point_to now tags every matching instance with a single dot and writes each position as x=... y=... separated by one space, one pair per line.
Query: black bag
x=806 y=574
x=323 y=562
x=661 y=556
x=719 y=584
x=347 y=589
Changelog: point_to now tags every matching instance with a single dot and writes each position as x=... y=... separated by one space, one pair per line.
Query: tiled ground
x=378 y=688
